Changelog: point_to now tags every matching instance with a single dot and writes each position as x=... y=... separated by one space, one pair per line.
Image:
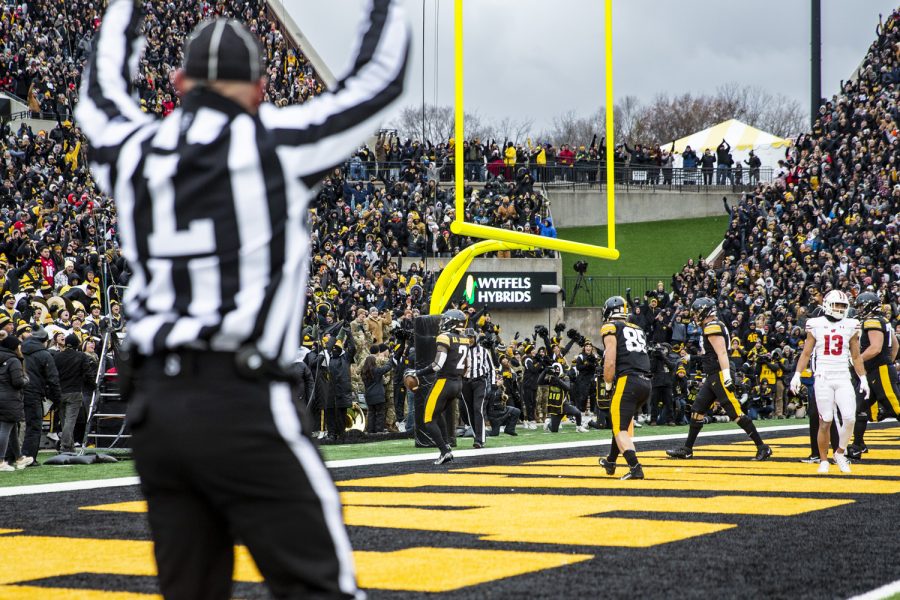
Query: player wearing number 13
x=835 y=340
x=627 y=367
x=717 y=385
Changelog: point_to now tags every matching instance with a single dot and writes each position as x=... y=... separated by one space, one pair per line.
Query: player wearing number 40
x=718 y=384
x=832 y=341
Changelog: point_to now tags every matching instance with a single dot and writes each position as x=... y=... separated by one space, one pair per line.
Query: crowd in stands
x=829 y=220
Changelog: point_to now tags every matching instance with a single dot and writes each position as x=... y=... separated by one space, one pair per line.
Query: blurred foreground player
x=212 y=203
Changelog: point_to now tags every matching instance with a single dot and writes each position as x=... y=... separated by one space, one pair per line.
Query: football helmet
x=835 y=304
x=615 y=308
x=453 y=320
x=702 y=308
x=868 y=305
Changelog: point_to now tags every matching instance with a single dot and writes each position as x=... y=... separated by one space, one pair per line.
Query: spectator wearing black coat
x=12 y=408
x=341 y=393
x=75 y=371
x=303 y=380
x=373 y=380
x=43 y=382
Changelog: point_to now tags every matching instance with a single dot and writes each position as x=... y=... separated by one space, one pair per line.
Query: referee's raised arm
x=107 y=112
x=328 y=128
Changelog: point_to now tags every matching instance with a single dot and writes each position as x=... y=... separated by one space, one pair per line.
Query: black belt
x=247 y=363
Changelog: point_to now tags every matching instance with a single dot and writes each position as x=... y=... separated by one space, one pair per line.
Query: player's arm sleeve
x=607 y=329
x=871 y=325
x=325 y=130
x=107 y=112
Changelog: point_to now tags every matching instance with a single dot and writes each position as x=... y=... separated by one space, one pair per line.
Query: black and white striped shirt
x=480 y=363
x=212 y=200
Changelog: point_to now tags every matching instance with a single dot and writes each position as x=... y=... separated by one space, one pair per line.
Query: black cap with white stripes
x=223 y=50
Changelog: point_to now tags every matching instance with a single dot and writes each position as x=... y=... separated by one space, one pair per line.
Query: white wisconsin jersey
x=832 y=351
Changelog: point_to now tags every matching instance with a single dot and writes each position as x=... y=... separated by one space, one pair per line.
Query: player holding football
x=449 y=364
x=718 y=384
x=879 y=347
x=625 y=364
x=834 y=338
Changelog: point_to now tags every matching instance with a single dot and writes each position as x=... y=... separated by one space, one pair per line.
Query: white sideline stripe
x=69 y=486
x=885 y=591
x=73 y=486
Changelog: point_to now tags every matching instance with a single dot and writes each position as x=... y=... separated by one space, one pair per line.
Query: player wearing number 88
x=717 y=385
x=626 y=366
x=832 y=341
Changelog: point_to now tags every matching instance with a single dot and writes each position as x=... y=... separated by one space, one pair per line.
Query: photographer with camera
x=663 y=363
x=500 y=413
x=533 y=366
x=586 y=364
x=558 y=405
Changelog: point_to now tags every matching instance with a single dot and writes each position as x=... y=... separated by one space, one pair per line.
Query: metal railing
x=579 y=174
x=593 y=291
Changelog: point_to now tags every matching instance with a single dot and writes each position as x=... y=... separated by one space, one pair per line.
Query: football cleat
x=610 y=467
x=855 y=451
x=842 y=463
x=635 y=472
x=682 y=452
x=824 y=465
x=444 y=458
x=810 y=460
x=763 y=452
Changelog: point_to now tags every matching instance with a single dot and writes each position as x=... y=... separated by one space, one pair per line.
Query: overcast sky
x=539 y=58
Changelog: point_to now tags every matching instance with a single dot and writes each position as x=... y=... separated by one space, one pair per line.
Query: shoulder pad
x=869 y=324
x=443 y=339
x=608 y=329
x=713 y=328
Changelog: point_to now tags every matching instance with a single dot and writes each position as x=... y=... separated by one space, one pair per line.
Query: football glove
x=864 y=387
x=795 y=384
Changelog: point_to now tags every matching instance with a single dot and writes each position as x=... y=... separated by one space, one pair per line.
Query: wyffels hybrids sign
x=506 y=290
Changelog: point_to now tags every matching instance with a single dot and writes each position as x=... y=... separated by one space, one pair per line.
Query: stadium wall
x=587 y=208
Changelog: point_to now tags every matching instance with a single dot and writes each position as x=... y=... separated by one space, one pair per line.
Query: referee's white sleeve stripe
x=288 y=424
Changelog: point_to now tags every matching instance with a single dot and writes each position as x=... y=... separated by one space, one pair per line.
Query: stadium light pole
x=815 y=92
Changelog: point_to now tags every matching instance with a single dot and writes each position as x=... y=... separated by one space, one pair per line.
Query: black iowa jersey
x=883 y=357
x=631 y=347
x=457 y=349
x=710 y=359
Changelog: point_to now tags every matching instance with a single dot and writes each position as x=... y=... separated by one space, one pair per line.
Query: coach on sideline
x=211 y=203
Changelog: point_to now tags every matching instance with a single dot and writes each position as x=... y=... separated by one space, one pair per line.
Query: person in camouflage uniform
x=362 y=340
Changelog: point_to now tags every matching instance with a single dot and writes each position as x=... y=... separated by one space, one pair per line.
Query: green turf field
x=652 y=249
x=125 y=468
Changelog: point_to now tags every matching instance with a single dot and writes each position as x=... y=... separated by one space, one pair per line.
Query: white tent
x=742 y=137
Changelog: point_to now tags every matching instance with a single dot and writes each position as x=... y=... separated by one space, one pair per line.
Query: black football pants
x=225 y=460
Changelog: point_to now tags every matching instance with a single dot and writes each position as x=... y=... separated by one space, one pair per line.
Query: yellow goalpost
x=504 y=239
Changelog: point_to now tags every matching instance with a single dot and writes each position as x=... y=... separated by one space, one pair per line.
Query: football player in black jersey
x=879 y=347
x=449 y=365
x=626 y=366
x=718 y=384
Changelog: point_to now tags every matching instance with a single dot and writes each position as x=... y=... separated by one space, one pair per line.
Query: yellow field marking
x=500 y=478
x=5 y=531
x=27 y=592
x=138 y=506
x=738 y=467
x=451 y=569
x=61 y=557
x=555 y=519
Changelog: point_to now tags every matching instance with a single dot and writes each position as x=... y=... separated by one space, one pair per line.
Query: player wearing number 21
x=717 y=386
x=833 y=341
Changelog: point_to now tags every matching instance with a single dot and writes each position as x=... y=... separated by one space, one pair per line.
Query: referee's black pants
x=473 y=393
x=223 y=460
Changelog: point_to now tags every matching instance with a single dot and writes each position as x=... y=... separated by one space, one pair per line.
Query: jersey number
x=634 y=340
x=834 y=345
x=463 y=352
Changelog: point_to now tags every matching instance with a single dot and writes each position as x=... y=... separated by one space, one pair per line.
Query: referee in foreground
x=479 y=376
x=211 y=207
